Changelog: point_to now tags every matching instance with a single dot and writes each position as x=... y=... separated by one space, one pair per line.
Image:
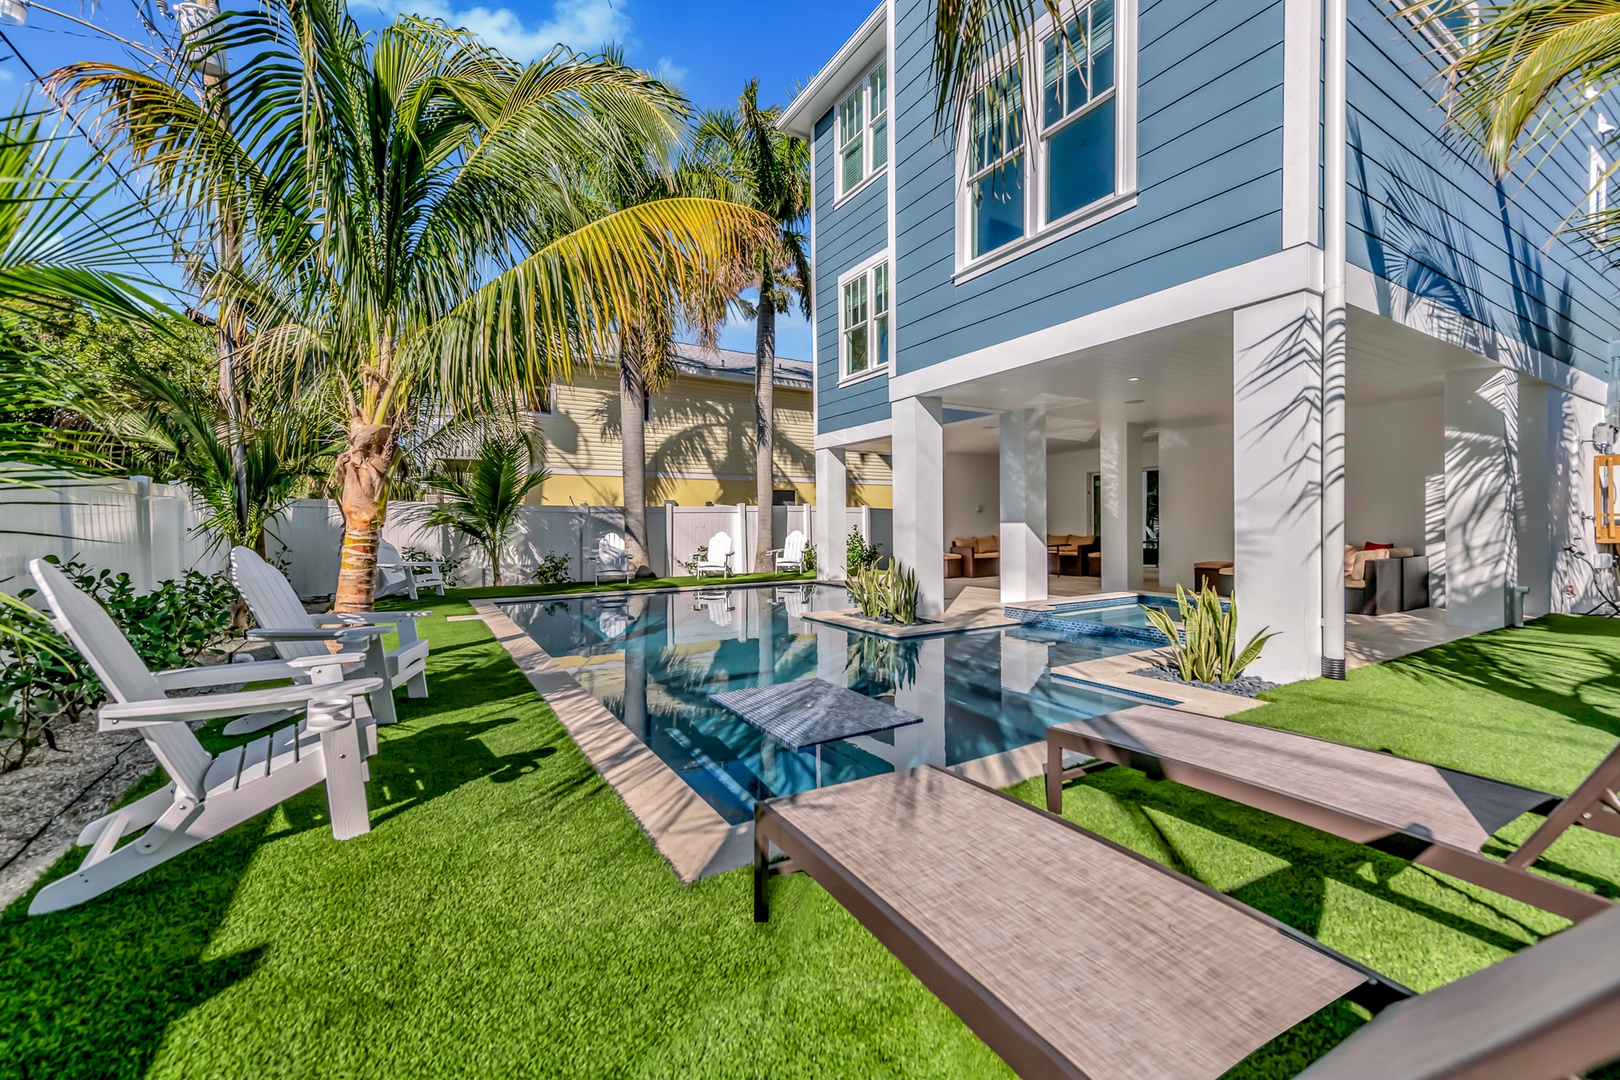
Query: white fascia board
x=858 y=54
x=860 y=433
x=1367 y=292
x=1275 y=275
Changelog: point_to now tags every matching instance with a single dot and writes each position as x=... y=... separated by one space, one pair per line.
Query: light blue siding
x=1431 y=220
x=1209 y=182
x=845 y=235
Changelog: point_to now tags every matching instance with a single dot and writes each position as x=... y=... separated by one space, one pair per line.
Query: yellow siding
x=699 y=445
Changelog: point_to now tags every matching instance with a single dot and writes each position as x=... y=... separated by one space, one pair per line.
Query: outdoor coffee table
x=810 y=712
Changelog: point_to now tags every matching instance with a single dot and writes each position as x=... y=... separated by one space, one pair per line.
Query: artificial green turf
x=506 y=916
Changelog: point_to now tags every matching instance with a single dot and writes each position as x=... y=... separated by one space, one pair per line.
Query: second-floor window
x=865 y=340
x=1450 y=23
x=863 y=129
x=1048 y=139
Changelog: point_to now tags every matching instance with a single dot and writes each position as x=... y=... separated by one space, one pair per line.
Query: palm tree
x=772 y=175
x=1520 y=74
x=186 y=439
x=405 y=218
x=974 y=40
x=482 y=500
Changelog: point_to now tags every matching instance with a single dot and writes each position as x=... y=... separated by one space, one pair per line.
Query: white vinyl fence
x=148 y=531
x=151 y=532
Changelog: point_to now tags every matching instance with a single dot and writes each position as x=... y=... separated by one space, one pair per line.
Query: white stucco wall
x=1195 y=500
x=1391 y=449
x=972 y=495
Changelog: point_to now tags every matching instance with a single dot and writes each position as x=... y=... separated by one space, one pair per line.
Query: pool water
x=654 y=659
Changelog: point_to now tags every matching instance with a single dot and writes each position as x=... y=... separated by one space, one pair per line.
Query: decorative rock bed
x=1248 y=686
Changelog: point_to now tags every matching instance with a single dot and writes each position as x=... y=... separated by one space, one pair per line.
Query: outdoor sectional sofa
x=1071 y=554
x=981 y=555
x=1384 y=580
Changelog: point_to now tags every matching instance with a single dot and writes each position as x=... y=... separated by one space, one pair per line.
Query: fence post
x=145 y=577
x=742 y=544
x=669 y=538
x=866 y=525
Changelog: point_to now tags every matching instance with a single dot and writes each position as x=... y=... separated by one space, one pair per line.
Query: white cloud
x=5 y=75
x=671 y=72
x=584 y=25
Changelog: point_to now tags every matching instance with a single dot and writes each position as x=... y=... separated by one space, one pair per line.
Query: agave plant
x=1205 y=648
x=888 y=592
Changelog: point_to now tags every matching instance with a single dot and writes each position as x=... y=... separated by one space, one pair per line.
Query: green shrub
x=1205 y=649
x=43 y=680
x=810 y=558
x=858 y=553
x=553 y=569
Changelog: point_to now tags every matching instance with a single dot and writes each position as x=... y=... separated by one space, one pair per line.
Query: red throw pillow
x=1378 y=547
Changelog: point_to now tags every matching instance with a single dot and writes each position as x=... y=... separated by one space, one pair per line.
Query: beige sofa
x=981 y=555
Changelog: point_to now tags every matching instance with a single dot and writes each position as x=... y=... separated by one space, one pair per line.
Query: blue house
x=1091 y=308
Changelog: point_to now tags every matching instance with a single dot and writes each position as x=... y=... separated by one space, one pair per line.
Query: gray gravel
x=1245 y=686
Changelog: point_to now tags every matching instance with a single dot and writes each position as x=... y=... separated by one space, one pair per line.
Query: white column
x=1482 y=496
x=832 y=487
x=1023 y=505
x=1277 y=481
x=919 y=496
x=1121 y=532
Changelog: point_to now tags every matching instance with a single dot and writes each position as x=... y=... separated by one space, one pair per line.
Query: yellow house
x=699 y=437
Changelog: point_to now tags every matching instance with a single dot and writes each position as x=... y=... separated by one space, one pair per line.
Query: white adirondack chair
x=611 y=559
x=790 y=556
x=396 y=574
x=207 y=795
x=296 y=634
x=717 y=559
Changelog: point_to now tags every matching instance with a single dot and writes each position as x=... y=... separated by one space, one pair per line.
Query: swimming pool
x=1118 y=617
x=653 y=659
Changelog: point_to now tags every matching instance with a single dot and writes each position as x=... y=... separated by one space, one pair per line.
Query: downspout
x=1334 y=226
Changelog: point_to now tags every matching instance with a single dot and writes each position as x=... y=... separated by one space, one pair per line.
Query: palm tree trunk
x=764 y=421
x=633 y=450
x=362 y=473
x=493 y=550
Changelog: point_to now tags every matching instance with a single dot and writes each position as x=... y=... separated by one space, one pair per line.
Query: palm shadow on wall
x=1420 y=250
x=705 y=437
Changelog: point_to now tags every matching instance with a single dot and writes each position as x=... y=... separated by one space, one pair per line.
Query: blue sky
x=709 y=49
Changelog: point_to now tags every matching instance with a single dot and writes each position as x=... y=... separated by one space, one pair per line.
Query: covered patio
x=1197 y=445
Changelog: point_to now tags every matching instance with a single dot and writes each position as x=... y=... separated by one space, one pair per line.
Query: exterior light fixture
x=1133 y=378
x=13 y=12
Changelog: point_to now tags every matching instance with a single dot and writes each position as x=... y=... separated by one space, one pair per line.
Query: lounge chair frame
x=1591 y=805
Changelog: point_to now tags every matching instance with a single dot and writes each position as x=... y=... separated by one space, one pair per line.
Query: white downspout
x=1334 y=225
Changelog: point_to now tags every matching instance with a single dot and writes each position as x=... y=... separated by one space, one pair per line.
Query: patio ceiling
x=1183 y=375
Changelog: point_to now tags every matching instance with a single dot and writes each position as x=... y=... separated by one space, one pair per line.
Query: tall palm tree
x=772 y=175
x=405 y=216
x=1520 y=73
x=974 y=40
x=481 y=500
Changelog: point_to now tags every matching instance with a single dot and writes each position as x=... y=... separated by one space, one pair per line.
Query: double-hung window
x=863 y=129
x=865 y=340
x=1049 y=137
x=996 y=163
x=1079 y=123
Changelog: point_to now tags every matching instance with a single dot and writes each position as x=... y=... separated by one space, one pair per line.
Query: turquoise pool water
x=654 y=659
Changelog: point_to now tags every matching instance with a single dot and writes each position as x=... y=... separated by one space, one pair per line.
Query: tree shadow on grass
x=1538 y=665
x=90 y=991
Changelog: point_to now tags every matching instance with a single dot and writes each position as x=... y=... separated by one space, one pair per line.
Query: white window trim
x=1597 y=196
x=868 y=174
x=1037 y=234
x=1440 y=36
x=874 y=370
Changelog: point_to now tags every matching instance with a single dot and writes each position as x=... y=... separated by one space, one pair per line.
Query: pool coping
x=936 y=626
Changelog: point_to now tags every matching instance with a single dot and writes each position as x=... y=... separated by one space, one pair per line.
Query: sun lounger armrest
x=195 y=678
x=130 y=714
x=325 y=633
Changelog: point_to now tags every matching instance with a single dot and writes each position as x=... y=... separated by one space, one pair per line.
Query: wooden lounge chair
x=206 y=795
x=1071 y=956
x=1439 y=818
x=296 y=634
